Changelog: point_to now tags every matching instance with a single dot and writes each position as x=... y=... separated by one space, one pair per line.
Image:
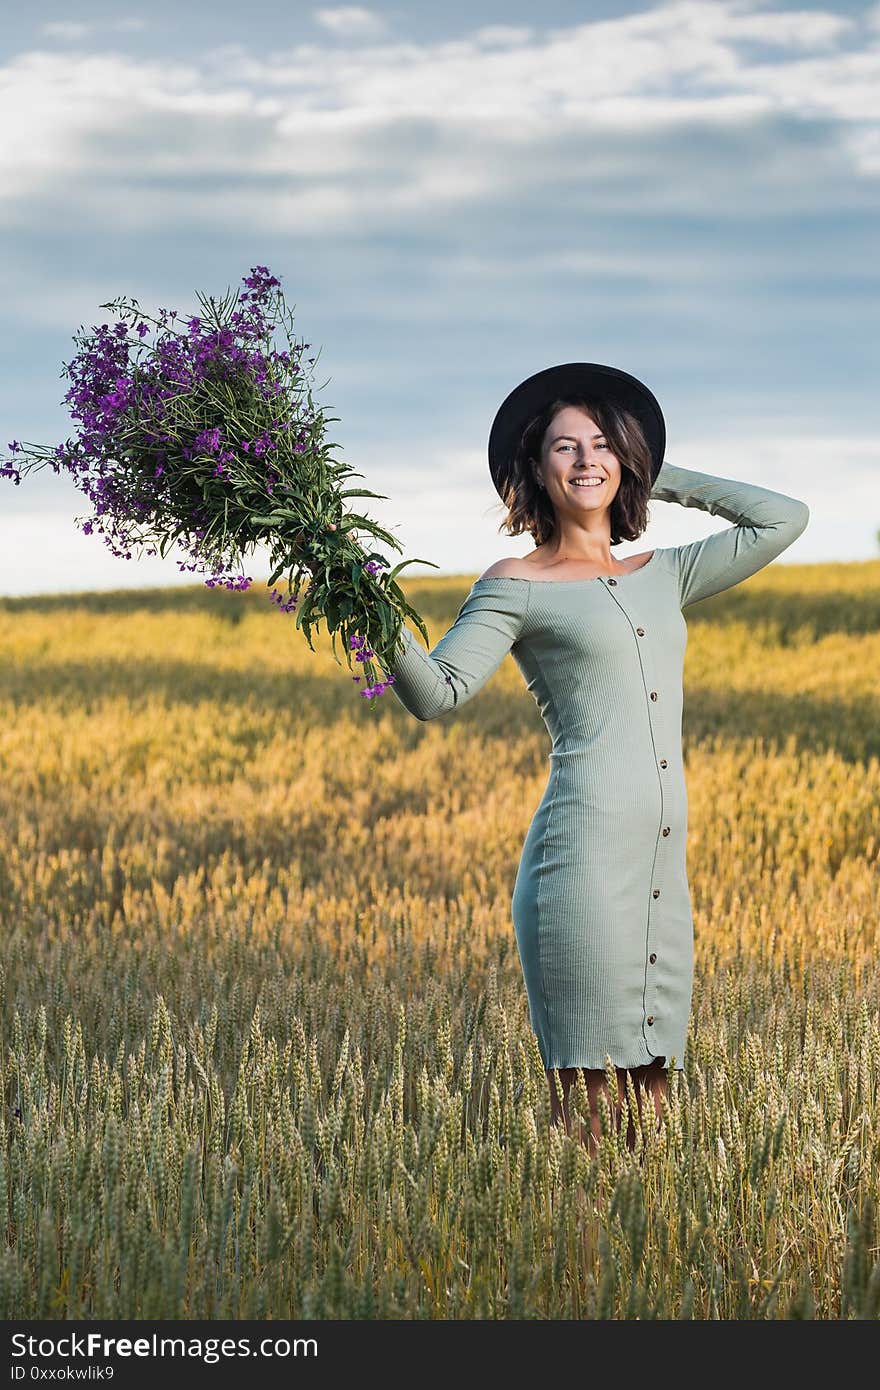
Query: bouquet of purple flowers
x=202 y=432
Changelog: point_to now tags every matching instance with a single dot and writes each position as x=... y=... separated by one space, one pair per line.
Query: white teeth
x=587 y=482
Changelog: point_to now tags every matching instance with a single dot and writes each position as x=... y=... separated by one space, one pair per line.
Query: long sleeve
x=489 y=621
x=766 y=523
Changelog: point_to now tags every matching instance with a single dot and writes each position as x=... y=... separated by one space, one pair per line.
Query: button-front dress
x=601 y=903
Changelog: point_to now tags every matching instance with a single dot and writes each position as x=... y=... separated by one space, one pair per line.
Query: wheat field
x=265 y=1040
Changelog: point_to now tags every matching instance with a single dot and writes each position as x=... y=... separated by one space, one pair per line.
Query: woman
x=601 y=903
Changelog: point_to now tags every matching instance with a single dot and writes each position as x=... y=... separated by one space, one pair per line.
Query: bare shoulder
x=511 y=567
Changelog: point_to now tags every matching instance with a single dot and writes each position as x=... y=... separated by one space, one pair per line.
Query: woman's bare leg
x=651 y=1077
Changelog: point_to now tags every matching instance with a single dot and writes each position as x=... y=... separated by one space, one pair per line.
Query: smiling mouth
x=586 y=482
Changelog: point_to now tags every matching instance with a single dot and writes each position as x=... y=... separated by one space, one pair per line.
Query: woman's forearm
x=489 y=621
x=419 y=684
x=765 y=524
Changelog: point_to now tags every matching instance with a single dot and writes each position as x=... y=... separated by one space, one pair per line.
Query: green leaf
x=364 y=523
x=271 y=520
x=392 y=574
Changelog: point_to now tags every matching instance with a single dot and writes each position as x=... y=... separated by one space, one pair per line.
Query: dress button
x=652 y=957
x=653 y=694
x=640 y=631
x=650 y=1018
x=662 y=762
x=612 y=581
x=666 y=830
x=656 y=893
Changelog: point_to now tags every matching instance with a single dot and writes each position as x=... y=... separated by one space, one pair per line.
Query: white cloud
x=350 y=21
x=72 y=32
x=503 y=35
x=332 y=132
x=47 y=553
x=864 y=147
x=65 y=29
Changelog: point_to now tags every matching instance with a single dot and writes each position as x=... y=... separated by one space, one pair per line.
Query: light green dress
x=601 y=904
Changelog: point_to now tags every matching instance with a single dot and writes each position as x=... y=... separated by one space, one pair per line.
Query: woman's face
x=574 y=451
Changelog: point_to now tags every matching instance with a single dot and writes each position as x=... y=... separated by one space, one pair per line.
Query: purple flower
x=208 y=440
x=371 y=691
x=151 y=410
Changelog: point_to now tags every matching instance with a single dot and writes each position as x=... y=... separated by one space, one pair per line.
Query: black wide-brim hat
x=589 y=379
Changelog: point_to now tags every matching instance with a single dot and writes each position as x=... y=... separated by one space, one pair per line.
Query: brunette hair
x=528 y=506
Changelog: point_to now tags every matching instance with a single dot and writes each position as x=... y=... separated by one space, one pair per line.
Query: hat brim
x=572 y=378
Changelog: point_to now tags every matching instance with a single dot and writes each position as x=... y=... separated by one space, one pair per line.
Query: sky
x=455 y=197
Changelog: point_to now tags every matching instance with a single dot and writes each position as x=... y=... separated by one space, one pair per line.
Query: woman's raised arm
x=488 y=623
x=766 y=523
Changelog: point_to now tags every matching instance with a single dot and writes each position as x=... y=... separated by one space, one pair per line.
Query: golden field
x=265 y=1040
